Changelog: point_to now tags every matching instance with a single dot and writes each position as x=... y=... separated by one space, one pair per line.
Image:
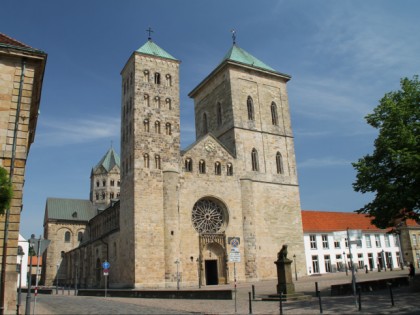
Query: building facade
x=179 y=209
x=328 y=250
x=409 y=232
x=21 y=75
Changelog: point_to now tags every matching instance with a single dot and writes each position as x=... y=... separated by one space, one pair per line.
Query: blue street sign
x=106 y=265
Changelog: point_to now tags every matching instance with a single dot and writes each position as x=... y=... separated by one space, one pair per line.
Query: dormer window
x=74 y=214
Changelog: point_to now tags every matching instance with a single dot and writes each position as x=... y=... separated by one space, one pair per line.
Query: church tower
x=244 y=104
x=150 y=148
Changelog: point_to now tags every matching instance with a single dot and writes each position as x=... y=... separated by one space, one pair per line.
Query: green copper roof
x=110 y=159
x=69 y=209
x=150 y=48
x=239 y=55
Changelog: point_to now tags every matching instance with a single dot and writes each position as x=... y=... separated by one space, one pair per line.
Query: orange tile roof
x=34 y=261
x=411 y=222
x=324 y=221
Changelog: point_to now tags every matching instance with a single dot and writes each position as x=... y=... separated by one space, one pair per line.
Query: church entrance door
x=211 y=272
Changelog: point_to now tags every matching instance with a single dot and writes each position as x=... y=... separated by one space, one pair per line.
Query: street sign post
x=106 y=265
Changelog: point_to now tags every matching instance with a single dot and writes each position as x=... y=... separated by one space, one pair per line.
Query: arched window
x=146 y=125
x=157 y=161
x=219 y=114
x=118 y=183
x=274 y=117
x=97 y=196
x=168 y=129
x=168 y=80
x=229 y=169
x=112 y=182
x=146 y=100
x=217 y=168
x=67 y=237
x=111 y=195
x=146 y=75
x=146 y=160
x=104 y=183
x=168 y=103
x=254 y=160
x=205 y=127
x=202 y=167
x=80 y=236
x=188 y=165
x=157 y=78
x=97 y=183
x=157 y=127
x=279 y=163
x=157 y=102
x=250 y=108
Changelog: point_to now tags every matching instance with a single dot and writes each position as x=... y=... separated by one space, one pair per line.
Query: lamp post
x=345 y=263
x=31 y=242
x=56 y=280
x=20 y=253
x=294 y=259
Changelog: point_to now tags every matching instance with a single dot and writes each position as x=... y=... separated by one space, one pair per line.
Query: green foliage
x=392 y=172
x=6 y=191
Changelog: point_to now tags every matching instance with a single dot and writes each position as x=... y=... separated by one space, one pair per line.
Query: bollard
x=281 y=303
x=316 y=289
x=366 y=268
x=253 y=292
x=250 y=302
x=389 y=284
x=379 y=268
x=320 y=302
x=360 y=297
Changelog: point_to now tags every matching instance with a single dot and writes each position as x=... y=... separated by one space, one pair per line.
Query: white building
x=23 y=243
x=325 y=253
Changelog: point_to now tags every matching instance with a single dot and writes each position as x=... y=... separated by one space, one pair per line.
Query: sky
x=343 y=57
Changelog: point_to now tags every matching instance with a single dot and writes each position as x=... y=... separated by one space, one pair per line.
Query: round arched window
x=208 y=216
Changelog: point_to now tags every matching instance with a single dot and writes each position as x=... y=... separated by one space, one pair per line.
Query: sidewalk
x=379 y=302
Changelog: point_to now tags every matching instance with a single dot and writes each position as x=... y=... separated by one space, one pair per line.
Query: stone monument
x=284 y=272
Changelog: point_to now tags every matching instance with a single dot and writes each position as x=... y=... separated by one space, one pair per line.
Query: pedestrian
x=412 y=270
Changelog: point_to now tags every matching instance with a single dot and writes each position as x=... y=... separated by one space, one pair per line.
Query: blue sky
x=343 y=56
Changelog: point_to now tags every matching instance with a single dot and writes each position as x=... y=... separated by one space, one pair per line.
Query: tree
x=6 y=191
x=392 y=172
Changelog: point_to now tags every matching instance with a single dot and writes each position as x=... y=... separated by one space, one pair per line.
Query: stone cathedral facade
x=179 y=209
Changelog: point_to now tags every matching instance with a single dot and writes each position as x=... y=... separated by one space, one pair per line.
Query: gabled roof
x=109 y=160
x=8 y=42
x=150 y=48
x=324 y=221
x=69 y=209
x=237 y=54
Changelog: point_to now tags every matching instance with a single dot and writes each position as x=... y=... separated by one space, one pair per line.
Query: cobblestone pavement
x=406 y=302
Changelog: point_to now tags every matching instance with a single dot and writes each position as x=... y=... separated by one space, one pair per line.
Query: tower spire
x=233 y=36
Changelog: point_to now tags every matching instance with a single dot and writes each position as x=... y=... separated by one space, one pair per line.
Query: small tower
x=105 y=180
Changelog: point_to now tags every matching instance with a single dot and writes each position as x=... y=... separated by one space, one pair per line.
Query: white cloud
x=58 y=132
x=323 y=162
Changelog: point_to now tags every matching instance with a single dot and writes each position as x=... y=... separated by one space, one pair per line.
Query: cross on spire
x=150 y=31
x=233 y=36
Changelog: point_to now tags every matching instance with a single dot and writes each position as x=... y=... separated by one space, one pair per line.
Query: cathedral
x=163 y=216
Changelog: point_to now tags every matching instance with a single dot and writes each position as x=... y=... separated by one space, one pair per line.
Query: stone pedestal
x=284 y=276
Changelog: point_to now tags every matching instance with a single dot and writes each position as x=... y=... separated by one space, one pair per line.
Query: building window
x=377 y=240
x=168 y=129
x=111 y=195
x=414 y=238
x=67 y=236
x=157 y=78
x=337 y=244
x=346 y=243
x=274 y=117
x=188 y=165
x=118 y=183
x=104 y=183
x=229 y=169
x=360 y=260
x=279 y=163
x=97 y=196
x=146 y=160
x=146 y=76
x=325 y=241
x=254 y=160
x=219 y=114
x=157 y=162
x=387 y=242
x=217 y=168
x=146 y=100
x=168 y=103
x=80 y=236
x=157 y=127
x=168 y=80
x=157 y=102
x=312 y=240
x=205 y=127
x=112 y=182
x=202 y=167
x=327 y=263
x=315 y=266
x=97 y=183
x=368 y=241
x=250 y=108
x=146 y=125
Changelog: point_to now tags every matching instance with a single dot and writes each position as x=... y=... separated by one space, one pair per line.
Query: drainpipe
x=12 y=169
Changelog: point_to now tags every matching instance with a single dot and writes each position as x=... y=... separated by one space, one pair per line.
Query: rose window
x=208 y=216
